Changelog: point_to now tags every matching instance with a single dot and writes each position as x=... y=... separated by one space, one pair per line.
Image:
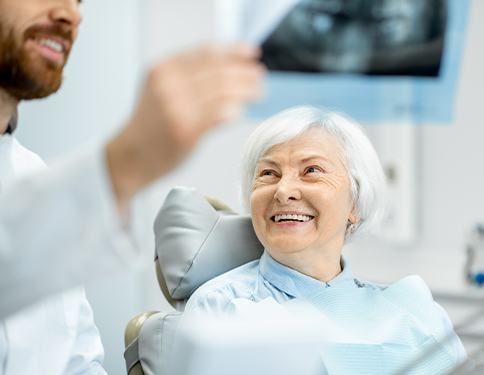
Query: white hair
x=361 y=161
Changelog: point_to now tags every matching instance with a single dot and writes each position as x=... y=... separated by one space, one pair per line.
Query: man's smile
x=52 y=48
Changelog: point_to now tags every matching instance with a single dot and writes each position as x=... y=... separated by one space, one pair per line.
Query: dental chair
x=196 y=240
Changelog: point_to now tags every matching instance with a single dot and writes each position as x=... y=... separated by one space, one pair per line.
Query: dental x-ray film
x=380 y=61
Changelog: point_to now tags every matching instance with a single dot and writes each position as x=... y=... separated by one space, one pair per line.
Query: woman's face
x=301 y=196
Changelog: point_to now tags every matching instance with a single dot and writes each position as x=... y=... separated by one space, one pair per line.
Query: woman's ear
x=353 y=217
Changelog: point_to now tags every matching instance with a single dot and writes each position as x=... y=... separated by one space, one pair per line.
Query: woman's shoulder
x=410 y=292
x=410 y=289
x=217 y=293
x=413 y=295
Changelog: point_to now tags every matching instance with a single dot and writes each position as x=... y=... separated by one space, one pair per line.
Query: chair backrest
x=196 y=240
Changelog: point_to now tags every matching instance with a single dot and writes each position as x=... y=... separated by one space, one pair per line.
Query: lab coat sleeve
x=87 y=353
x=60 y=228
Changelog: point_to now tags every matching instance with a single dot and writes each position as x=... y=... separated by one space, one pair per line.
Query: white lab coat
x=57 y=335
x=59 y=228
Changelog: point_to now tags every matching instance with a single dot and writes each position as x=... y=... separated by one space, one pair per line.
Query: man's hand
x=183 y=97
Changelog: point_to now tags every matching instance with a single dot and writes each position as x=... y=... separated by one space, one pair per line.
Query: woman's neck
x=8 y=108
x=320 y=265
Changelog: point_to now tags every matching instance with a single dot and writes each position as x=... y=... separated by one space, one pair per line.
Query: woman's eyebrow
x=316 y=158
x=267 y=160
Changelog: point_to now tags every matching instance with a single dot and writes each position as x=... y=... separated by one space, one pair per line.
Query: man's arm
x=61 y=228
x=183 y=98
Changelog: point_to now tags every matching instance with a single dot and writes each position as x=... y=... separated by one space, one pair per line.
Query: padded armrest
x=149 y=339
x=195 y=242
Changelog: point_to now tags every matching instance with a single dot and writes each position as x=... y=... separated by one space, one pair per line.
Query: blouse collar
x=296 y=284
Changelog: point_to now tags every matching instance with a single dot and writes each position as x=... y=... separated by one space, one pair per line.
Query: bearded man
x=66 y=224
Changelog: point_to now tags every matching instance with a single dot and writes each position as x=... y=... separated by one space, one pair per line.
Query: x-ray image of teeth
x=375 y=37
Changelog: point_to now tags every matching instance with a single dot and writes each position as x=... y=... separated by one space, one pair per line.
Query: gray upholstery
x=149 y=353
x=155 y=342
x=195 y=243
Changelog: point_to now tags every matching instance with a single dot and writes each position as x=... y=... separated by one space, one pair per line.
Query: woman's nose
x=68 y=13
x=287 y=190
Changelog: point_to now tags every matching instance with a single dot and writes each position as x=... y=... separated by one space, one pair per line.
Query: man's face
x=36 y=37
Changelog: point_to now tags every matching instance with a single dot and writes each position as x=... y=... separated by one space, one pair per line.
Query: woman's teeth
x=292 y=217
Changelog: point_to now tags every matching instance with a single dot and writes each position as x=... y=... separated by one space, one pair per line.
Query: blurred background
x=434 y=168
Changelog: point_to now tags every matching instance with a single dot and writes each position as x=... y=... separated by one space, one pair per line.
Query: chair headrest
x=195 y=242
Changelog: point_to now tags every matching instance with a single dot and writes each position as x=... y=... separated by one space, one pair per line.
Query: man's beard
x=24 y=76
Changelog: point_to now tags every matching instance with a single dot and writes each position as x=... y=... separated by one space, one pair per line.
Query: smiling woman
x=301 y=201
x=320 y=164
x=312 y=180
x=309 y=161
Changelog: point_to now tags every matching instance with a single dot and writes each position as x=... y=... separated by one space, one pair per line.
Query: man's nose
x=67 y=12
x=287 y=190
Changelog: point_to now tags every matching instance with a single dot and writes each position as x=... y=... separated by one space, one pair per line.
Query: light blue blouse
x=390 y=326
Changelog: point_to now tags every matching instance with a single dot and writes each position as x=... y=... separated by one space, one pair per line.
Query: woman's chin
x=286 y=246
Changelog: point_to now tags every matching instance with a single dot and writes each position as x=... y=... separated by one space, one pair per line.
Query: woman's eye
x=312 y=169
x=267 y=172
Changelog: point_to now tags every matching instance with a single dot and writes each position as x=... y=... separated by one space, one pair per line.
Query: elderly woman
x=312 y=180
